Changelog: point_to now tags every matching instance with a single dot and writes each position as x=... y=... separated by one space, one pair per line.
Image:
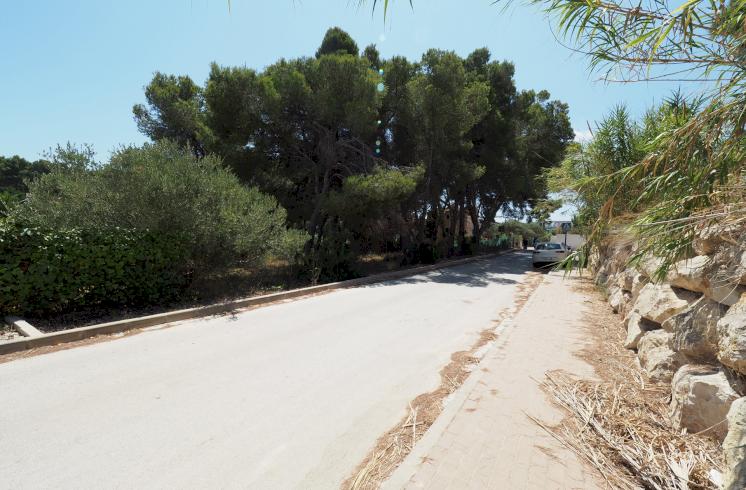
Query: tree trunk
x=313 y=223
x=462 y=225
x=455 y=212
x=474 y=215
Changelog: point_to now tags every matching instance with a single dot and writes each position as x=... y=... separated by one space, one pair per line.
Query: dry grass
x=391 y=448
x=619 y=422
x=7 y=333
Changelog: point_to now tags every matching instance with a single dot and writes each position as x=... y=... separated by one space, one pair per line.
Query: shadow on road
x=476 y=274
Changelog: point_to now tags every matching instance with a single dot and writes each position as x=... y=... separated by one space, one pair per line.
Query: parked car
x=549 y=253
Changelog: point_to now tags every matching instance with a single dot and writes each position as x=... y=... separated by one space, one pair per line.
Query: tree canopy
x=15 y=175
x=337 y=41
x=371 y=154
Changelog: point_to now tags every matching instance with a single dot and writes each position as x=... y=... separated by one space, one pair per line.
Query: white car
x=549 y=253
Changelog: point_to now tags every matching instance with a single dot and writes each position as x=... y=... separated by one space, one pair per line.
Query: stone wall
x=689 y=330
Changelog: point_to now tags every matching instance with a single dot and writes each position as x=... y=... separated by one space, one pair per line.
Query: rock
x=638 y=282
x=601 y=276
x=617 y=253
x=728 y=273
x=648 y=266
x=637 y=326
x=716 y=278
x=731 y=331
x=659 y=302
x=624 y=279
x=726 y=294
x=734 y=447
x=616 y=298
x=626 y=305
x=695 y=330
x=656 y=357
x=700 y=399
x=706 y=243
x=690 y=274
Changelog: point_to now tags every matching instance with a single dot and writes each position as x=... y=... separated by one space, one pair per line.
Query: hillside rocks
x=658 y=360
x=690 y=274
x=700 y=399
x=619 y=299
x=716 y=277
x=734 y=447
x=731 y=332
x=638 y=282
x=689 y=329
x=648 y=266
x=659 y=302
x=707 y=242
x=637 y=326
x=695 y=330
x=616 y=297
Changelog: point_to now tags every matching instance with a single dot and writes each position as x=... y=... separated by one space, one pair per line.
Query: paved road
x=292 y=395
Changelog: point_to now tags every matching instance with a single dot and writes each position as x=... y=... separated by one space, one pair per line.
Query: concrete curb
x=82 y=333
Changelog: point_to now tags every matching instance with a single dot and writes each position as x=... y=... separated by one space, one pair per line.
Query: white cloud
x=583 y=135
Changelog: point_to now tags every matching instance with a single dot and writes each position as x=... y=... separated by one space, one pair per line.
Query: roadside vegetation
x=314 y=169
x=680 y=169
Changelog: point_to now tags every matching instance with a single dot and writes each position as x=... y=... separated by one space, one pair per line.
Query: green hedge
x=48 y=271
x=500 y=242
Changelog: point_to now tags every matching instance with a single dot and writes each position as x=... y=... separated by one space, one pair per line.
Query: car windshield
x=549 y=246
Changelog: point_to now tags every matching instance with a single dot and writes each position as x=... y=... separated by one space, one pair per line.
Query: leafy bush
x=167 y=191
x=332 y=259
x=500 y=242
x=528 y=231
x=44 y=270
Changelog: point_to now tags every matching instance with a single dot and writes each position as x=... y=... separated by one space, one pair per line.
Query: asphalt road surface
x=292 y=395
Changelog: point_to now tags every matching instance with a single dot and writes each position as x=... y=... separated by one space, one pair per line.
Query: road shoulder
x=485 y=438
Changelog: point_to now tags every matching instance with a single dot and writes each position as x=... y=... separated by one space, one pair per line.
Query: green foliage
x=15 y=174
x=523 y=134
x=46 y=270
x=364 y=199
x=373 y=56
x=446 y=106
x=339 y=143
x=175 y=112
x=593 y=170
x=690 y=176
x=501 y=241
x=528 y=231
x=332 y=259
x=164 y=189
x=337 y=41
x=543 y=209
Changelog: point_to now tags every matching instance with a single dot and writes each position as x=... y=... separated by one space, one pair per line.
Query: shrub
x=47 y=271
x=165 y=190
x=332 y=259
x=528 y=231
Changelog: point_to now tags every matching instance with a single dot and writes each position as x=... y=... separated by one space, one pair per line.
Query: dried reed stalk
x=619 y=422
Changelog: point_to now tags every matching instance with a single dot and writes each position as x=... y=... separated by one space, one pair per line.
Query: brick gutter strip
x=34 y=338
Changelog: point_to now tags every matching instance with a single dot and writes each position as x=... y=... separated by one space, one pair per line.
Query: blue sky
x=73 y=70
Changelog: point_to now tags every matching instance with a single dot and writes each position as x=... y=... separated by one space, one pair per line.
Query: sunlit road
x=292 y=395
